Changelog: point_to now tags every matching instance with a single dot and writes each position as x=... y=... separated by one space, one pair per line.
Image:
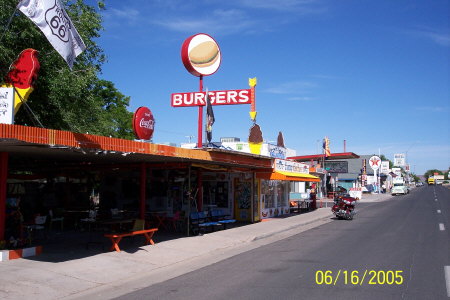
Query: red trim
x=344 y=155
x=200 y=119
x=50 y=137
x=3 y=177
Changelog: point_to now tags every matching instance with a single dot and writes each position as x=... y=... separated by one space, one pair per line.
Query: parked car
x=399 y=188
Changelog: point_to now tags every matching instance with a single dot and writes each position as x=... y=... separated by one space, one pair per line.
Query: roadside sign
x=375 y=162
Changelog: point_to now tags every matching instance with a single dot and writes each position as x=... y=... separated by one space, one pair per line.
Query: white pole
x=379 y=170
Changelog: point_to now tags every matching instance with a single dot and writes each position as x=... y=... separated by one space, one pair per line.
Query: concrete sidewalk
x=110 y=274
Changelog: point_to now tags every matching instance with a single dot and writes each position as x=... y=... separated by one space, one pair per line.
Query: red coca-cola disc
x=143 y=123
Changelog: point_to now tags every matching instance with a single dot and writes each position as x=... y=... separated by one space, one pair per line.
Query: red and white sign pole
x=201 y=56
x=200 y=119
x=375 y=163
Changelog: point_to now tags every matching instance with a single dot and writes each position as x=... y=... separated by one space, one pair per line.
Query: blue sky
x=373 y=73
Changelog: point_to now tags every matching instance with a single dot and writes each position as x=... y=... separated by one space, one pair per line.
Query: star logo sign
x=375 y=162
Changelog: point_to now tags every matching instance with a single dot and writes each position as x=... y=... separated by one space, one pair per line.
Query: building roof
x=333 y=156
x=27 y=145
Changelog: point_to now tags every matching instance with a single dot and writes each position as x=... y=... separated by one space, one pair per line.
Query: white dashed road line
x=438 y=211
x=447 y=279
x=441 y=227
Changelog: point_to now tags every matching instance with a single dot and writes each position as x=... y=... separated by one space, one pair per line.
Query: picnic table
x=117 y=237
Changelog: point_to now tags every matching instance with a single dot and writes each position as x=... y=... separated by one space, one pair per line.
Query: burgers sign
x=200 y=54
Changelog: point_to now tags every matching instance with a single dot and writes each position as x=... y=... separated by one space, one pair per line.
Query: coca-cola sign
x=143 y=123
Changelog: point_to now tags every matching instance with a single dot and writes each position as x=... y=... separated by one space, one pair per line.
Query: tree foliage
x=431 y=173
x=384 y=158
x=75 y=100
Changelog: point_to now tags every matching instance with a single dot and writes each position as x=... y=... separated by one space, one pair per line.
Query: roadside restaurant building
x=45 y=169
x=67 y=175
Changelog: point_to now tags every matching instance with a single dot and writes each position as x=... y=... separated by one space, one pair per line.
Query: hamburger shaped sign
x=143 y=123
x=201 y=55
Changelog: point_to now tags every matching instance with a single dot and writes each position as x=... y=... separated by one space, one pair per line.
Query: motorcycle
x=344 y=206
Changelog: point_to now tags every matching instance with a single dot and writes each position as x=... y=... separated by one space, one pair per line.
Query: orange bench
x=117 y=237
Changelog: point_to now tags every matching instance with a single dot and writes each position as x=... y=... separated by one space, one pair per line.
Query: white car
x=399 y=188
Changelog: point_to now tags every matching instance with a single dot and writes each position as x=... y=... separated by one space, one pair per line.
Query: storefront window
x=282 y=189
x=267 y=190
x=215 y=193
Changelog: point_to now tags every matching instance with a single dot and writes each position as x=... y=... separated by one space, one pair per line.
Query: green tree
x=431 y=173
x=76 y=100
x=383 y=158
x=415 y=177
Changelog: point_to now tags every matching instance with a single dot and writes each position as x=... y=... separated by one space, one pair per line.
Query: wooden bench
x=117 y=237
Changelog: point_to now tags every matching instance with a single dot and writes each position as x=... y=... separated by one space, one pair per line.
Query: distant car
x=399 y=188
x=420 y=183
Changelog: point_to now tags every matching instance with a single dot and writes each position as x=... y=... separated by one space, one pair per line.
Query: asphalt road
x=401 y=245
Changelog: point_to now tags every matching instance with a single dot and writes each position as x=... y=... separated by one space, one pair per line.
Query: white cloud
x=292 y=87
x=220 y=20
x=439 y=37
x=295 y=6
x=432 y=108
x=301 y=98
x=116 y=17
x=233 y=16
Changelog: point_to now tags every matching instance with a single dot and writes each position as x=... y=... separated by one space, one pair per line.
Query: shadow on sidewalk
x=75 y=244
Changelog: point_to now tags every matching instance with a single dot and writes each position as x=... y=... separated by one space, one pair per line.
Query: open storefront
x=276 y=186
x=73 y=174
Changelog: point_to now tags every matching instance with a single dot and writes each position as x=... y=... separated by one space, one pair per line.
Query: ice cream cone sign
x=255 y=139
x=252 y=83
x=22 y=74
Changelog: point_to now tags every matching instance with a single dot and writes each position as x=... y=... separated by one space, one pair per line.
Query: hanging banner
x=6 y=105
x=290 y=166
x=53 y=21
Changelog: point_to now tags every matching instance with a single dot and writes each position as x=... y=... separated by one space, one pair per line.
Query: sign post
x=201 y=56
x=375 y=163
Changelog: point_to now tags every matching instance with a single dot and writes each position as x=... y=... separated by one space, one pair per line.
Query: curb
x=269 y=234
x=19 y=253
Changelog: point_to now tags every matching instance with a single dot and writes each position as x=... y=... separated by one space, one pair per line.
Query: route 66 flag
x=53 y=21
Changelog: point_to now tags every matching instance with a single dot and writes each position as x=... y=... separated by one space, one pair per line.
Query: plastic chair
x=55 y=219
x=115 y=214
x=138 y=225
x=38 y=226
x=174 y=219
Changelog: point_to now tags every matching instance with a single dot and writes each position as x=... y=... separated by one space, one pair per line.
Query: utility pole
x=190 y=137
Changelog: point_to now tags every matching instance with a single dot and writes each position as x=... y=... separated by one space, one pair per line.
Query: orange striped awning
x=287 y=176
